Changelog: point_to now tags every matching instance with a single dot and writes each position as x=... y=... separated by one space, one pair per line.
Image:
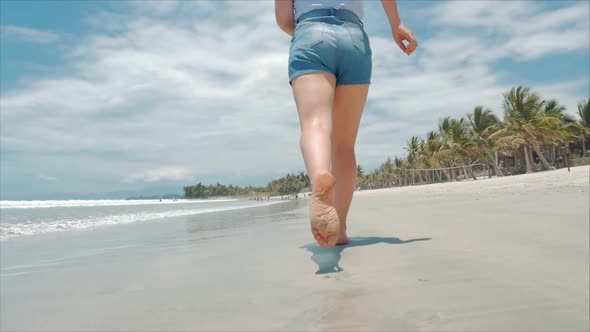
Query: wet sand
x=501 y=254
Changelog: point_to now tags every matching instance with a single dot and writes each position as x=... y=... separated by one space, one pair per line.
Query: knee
x=317 y=126
x=340 y=148
x=311 y=131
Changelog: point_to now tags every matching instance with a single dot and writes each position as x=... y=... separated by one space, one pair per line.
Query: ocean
x=53 y=252
x=29 y=218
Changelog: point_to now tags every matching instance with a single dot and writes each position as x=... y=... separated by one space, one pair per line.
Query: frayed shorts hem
x=338 y=83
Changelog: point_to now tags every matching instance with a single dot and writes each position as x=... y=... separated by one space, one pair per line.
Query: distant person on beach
x=330 y=72
x=563 y=151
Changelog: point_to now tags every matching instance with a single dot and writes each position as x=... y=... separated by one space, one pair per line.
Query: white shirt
x=303 y=6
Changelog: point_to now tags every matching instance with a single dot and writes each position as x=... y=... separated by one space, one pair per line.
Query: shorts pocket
x=359 y=38
x=308 y=35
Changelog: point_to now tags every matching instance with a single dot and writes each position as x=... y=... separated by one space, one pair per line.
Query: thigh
x=349 y=101
x=314 y=98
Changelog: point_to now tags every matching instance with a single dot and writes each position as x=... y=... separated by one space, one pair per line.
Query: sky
x=101 y=96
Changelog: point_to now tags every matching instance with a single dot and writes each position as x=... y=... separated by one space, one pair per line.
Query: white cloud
x=488 y=13
x=165 y=89
x=156 y=7
x=563 y=92
x=162 y=173
x=203 y=86
x=28 y=34
x=522 y=30
x=47 y=177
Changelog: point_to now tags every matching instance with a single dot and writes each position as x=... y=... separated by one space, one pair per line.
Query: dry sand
x=506 y=254
x=503 y=254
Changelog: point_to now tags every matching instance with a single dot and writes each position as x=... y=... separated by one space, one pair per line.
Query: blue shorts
x=334 y=41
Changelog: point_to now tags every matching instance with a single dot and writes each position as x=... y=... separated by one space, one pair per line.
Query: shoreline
x=507 y=254
x=576 y=171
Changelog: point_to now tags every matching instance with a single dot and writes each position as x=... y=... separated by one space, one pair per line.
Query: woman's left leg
x=314 y=97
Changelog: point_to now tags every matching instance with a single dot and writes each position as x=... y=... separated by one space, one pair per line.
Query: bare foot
x=342 y=238
x=325 y=225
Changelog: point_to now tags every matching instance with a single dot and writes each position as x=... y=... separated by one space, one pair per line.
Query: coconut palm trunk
x=527 y=159
x=531 y=157
x=446 y=173
x=542 y=157
x=467 y=173
x=464 y=171
x=472 y=172
x=494 y=164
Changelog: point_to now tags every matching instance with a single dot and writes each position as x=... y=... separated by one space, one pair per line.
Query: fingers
x=400 y=42
x=403 y=33
x=413 y=44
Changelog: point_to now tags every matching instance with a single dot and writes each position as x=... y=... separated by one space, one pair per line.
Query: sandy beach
x=501 y=254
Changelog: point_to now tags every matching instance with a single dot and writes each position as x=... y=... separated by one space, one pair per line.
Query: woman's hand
x=400 y=33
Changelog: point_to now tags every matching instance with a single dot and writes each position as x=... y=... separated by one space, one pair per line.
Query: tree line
x=287 y=185
x=529 y=124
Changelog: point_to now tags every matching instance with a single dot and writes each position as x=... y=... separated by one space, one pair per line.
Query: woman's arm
x=284 y=15
x=399 y=30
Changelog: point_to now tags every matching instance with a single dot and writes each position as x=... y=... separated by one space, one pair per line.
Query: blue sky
x=100 y=96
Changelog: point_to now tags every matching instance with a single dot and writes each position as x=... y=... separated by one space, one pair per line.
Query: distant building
x=515 y=163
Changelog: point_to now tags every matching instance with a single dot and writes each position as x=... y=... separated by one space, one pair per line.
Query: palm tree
x=519 y=107
x=523 y=117
x=388 y=172
x=400 y=170
x=563 y=127
x=360 y=175
x=584 y=112
x=430 y=152
x=304 y=180
x=372 y=179
x=376 y=178
x=445 y=156
x=413 y=158
x=458 y=144
x=584 y=123
x=483 y=124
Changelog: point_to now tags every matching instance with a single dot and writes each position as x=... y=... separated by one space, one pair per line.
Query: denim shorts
x=334 y=41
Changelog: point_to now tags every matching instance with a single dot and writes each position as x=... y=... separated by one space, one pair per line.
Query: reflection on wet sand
x=328 y=258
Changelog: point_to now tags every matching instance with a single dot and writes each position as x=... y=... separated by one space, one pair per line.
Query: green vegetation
x=286 y=185
x=530 y=125
x=168 y=196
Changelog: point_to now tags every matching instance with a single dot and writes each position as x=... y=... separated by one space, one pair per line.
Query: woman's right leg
x=349 y=101
x=314 y=97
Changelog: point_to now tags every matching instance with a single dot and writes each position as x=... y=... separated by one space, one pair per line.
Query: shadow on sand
x=328 y=259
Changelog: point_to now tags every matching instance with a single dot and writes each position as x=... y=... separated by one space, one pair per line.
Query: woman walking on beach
x=330 y=72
